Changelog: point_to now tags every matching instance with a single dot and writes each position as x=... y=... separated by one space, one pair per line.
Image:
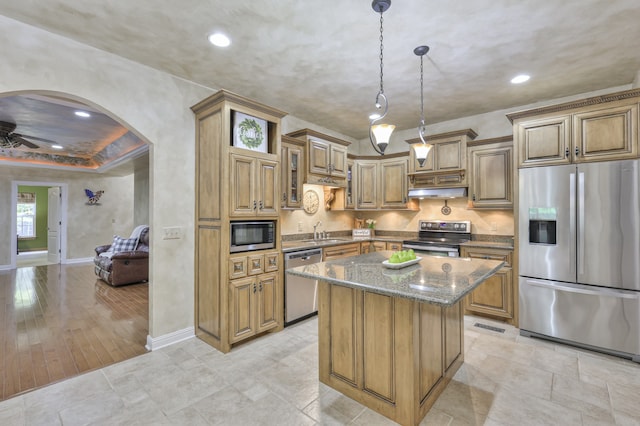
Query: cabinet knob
x=566 y=153
x=261 y=205
x=254 y=287
x=284 y=196
x=577 y=151
x=260 y=287
x=255 y=204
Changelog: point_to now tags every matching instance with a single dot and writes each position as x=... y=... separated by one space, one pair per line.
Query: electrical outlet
x=172 y=233
x=299 y=226
x=494 y=226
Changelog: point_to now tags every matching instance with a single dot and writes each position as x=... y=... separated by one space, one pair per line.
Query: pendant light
x=421 y=149
x=379 y=134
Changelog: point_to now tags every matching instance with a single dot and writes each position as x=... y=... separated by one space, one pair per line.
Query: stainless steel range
x=440 y=237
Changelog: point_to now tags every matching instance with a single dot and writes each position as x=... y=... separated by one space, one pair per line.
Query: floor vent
x=489 y=327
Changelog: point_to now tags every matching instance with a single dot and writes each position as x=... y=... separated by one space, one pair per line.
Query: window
x=26 y=215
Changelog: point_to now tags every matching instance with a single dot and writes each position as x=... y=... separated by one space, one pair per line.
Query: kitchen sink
x=325 y=241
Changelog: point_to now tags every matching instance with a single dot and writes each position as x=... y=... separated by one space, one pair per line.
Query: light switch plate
x=172 y=233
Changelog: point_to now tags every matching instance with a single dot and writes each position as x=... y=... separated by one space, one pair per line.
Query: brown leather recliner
x=125 y=267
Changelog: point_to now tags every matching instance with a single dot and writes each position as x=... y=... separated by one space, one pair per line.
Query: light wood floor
x=57 y=321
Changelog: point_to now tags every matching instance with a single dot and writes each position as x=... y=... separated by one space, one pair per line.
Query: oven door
x=432 y=250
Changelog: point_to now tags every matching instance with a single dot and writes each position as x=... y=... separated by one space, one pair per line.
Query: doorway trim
x=63 y=216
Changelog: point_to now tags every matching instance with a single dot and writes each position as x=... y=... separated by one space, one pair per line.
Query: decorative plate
x=310 y=201
x=386 y=263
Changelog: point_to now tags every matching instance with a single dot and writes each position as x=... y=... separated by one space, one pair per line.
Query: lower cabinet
x=372 y=246
x=395 y=246
x=495 y=297
x=343 y=250
x=253 y=298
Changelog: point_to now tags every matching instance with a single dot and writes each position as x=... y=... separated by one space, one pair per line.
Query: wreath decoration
x=250 y=133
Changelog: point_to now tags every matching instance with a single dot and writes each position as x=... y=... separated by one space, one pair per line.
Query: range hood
x=438 y=192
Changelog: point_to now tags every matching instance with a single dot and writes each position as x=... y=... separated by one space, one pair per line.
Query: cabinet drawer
x=271 y=262
x=255 y=264
x=237 y=267
x=502 y=255
x=344 y=250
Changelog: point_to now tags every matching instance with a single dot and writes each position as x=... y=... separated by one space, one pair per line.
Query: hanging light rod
x=422 y=149
x=379 y=134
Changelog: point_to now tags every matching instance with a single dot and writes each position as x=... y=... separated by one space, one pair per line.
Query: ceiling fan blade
x=35 y=138
x=18 y=140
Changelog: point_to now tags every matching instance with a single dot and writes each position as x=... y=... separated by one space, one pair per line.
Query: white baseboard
x=154 y=343
x=78 y=260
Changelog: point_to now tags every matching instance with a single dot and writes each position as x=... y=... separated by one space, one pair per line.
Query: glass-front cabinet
x=293 y=172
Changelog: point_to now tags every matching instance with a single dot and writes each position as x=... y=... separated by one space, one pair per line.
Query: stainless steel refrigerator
x=579 y=255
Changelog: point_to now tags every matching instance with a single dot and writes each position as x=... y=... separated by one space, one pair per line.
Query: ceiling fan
x=8 y=139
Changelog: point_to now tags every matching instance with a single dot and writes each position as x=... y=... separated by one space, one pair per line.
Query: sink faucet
x=316 y=234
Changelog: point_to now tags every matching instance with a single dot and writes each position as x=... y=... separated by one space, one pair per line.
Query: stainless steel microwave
x=255 y=235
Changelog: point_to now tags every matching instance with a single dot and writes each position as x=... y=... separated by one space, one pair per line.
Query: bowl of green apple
x=401 y=259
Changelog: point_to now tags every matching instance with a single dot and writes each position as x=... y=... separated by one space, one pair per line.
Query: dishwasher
x=300 y=294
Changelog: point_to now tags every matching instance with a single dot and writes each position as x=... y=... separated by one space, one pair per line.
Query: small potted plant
x=371 y=224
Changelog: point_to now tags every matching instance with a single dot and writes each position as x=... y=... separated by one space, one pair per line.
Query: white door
x=53 y=225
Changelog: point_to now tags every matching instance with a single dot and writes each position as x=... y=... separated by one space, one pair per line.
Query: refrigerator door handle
x=622 y=294
x=581 y=223
x=572 y=219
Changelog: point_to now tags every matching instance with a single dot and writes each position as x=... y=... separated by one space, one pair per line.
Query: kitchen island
x=392 y=339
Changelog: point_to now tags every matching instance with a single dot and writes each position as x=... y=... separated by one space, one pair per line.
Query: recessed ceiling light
x=82 y=114
x=520 y=79
x=56 y=146
x=219 y=39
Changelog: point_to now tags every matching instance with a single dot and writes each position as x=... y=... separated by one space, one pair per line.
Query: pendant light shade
x=379 y=134
x=422 y=149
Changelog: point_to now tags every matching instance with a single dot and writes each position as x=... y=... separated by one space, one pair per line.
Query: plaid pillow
x=123 y=244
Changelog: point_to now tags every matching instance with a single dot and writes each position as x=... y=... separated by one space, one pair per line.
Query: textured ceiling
x=319 y=61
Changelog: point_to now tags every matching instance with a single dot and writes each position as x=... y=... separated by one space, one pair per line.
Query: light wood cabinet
x=372 y=246
x=391 y=354
x=495 y=297
x=446 y=163
x=254 y=186
x=342 y=250
x=367 y=188
x=394 y=183
x=253 y=307
x=292 y=161
x=234 y=183
x=326 y=157
x=491 y=173
x=601 y=128
x=351 y=185
x=393 y=245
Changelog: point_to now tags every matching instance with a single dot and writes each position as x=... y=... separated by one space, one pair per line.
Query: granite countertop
x=296 y=245
x=438 y=280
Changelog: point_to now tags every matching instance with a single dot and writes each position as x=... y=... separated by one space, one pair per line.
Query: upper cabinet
x=254 y=185
x=292 y=161
x=491 y=173
x=601 y=128
x=446 y=163
x=326 y=157
x=382 y=183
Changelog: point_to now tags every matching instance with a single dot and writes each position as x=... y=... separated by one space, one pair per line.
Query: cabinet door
x=367 y=188
x=338 y=164
x=242 y=190
x=271 y=262
x=344 y=250
x=350 y=190
x=319 y=157
x=608 y=134
x=292 y=176
x=493 y=297
x=267 y=188
x=450 y=155
x=491 y=175
x=266 y=305
x=393 y=184
x=241 y=309
x=395 y=246
x=544 y=142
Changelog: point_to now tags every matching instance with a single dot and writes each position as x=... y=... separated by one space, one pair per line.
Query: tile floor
x=506 y=380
